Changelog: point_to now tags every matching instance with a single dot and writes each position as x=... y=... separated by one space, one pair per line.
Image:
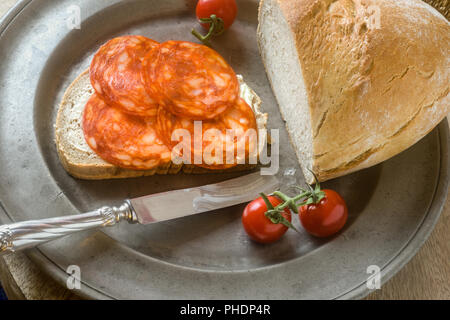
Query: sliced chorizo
x=116 y=74
x=122 y=139
x=192 y=80
x=235 y=128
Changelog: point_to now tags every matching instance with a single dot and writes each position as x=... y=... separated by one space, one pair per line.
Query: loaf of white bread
x=357 y=81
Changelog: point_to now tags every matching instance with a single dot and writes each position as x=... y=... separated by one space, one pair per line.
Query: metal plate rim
x=409 y=250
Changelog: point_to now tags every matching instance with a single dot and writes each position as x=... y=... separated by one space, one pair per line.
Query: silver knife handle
x=22 y=235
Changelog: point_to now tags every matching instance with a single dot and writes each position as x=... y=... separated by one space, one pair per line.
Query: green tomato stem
x=217 y=27
x=311 y=196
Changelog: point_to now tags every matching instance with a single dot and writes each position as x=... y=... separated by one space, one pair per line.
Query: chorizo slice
x=116 y=74
x=222 y=143
x=192 y=80
x=125 y=140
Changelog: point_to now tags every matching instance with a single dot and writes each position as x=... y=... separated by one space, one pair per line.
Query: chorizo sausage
x=192 y=80
x=116 y=74
x=124 y=140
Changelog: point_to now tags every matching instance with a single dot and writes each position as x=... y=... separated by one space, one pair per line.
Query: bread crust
x=100 y=170
x=375 y=86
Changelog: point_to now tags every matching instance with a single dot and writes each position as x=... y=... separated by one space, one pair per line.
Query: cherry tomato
x=326 y=217
x=224 y=9
x=258 y=226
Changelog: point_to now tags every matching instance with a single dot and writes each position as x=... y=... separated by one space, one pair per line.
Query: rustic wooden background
x=426 y=276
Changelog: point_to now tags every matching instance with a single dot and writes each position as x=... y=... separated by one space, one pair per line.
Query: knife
x=143 y=210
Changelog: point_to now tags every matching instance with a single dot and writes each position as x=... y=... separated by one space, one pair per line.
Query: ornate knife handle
x=22 y=235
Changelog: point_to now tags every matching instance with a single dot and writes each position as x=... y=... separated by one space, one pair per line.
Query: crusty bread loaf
x=82 y=162
x=357 y=81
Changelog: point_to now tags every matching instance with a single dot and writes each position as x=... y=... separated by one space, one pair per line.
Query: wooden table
x=426 y=276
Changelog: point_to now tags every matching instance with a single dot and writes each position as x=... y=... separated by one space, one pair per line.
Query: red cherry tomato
x=224 y=9
x=326 y=217
x=258 y=226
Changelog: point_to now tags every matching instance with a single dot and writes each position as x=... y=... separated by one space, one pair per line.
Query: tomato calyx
x=313 y=195
x=217 y=27
x=307 y=197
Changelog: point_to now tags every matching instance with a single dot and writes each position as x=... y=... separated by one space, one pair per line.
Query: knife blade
x=180 y=203
x=144 y=210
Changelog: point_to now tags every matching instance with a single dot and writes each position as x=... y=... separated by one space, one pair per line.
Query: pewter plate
x=393 y=206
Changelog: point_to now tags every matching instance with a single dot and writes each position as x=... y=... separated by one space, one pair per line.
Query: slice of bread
x=82 y=162
x=357 y=81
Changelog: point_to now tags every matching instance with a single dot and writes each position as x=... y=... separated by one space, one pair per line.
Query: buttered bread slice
x=82 y=162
